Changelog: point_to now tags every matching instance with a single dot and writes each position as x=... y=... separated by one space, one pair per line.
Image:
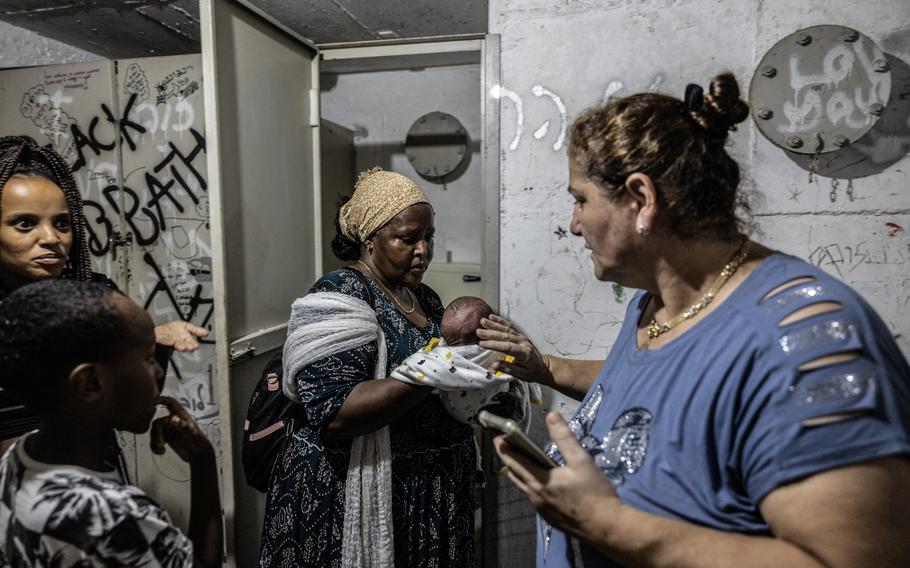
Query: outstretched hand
x=179 y=431
x=180 y=335
x=499 y=334
x=570 y=497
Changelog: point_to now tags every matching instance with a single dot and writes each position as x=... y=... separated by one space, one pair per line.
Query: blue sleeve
x=325 y=384
x=796 y=423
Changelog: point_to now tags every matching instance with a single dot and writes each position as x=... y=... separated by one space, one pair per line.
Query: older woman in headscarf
x=376 y=472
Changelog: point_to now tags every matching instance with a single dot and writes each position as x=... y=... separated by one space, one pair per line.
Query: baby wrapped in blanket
x=459 y=369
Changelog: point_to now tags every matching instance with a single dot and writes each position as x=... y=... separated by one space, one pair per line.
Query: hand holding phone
x=515 y=437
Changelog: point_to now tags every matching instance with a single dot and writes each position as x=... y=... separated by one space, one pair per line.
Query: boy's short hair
x=49 y=327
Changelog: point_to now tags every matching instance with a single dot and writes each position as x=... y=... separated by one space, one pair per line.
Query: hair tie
x=25 y=153
x=695 y=98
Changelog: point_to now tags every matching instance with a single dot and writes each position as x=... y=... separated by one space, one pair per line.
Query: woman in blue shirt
x=754 y=411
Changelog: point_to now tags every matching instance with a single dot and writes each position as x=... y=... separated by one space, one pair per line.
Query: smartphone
x=515 y=437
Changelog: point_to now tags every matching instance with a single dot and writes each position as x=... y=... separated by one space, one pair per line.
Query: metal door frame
x=488 y=45
x=228 y=350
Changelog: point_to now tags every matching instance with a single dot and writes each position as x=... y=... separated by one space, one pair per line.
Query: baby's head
x=82 y=351
x=461 y=320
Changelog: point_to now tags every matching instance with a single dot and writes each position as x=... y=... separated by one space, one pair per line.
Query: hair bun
x=720 y=109
x=724 y=99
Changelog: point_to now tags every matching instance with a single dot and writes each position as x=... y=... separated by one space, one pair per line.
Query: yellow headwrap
x=378 y=196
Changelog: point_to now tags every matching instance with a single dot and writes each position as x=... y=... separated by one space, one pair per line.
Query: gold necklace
x=389 y=292
x=657 y=329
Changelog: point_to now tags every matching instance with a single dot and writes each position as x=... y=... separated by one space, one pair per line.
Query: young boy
x=83 y=357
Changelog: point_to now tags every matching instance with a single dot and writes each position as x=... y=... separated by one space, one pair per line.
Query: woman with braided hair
x=30 y=174
x=752 y=411
x=43 y=235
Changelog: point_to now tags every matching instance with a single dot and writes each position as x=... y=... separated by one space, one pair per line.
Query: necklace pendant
x=391 y=294
x=654 y=329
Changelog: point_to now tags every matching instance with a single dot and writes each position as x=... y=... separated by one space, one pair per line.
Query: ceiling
x=138 y=28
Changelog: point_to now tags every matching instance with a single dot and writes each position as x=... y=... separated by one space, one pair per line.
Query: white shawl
x=324 y=324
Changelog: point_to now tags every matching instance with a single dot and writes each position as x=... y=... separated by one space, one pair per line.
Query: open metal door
x=448 y=49
x=261 y=107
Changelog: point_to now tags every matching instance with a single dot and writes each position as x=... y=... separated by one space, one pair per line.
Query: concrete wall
x=573 y=54
x=381 y=106
x=21 y=48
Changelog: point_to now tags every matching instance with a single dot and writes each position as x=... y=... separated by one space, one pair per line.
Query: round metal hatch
x=436 y=144
x=820 y=89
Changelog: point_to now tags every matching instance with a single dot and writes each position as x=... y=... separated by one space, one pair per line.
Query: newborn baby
x=459 y=327
x=459 y=369
x=461 y=320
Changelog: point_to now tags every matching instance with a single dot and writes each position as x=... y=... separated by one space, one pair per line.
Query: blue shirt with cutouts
x=703 y=428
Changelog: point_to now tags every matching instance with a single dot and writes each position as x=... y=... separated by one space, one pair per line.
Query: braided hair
x=21 y=155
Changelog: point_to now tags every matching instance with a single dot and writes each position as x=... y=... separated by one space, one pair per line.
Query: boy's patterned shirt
x=61 y=515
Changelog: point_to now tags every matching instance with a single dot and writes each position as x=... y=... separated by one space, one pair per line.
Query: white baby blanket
x=461 y=375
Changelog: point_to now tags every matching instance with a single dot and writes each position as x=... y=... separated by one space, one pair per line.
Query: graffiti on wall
x=541 y=131
x=517 y=102
x=562 y=288
x=163 y=201
x=134 y=133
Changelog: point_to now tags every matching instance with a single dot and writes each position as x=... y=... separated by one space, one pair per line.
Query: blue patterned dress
x=433 y=457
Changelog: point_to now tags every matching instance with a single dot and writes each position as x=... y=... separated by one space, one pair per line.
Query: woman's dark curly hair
x=20 y=155
x=678 y=145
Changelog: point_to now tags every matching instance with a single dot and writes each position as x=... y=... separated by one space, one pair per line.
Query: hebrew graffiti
x=178 y=84
x=158 y=201
x=44 y=111
x=499 y=92
x=177 y=117
x=845 y=258
x=540 y=91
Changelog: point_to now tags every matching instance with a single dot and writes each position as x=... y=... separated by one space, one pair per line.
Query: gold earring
x=641 y=229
